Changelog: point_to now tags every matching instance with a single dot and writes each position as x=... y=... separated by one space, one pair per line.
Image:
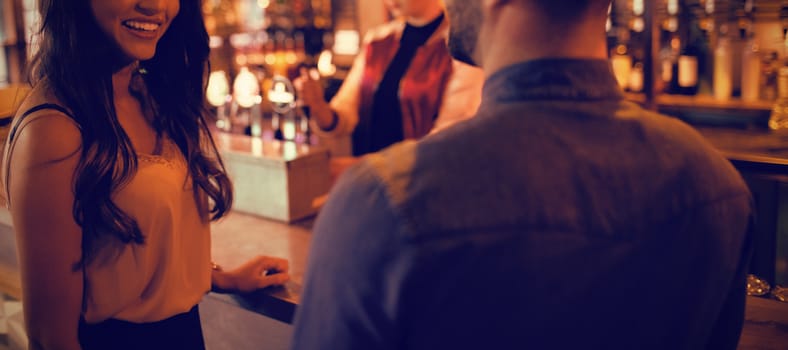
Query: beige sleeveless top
x=170 y=273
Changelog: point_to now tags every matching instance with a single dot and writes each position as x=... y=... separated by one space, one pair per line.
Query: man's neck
x=583 y=39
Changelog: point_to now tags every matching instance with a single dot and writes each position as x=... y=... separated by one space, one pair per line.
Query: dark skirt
x=181 y=331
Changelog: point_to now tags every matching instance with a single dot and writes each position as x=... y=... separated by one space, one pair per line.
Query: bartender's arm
x=339 y=116
x=311 y=93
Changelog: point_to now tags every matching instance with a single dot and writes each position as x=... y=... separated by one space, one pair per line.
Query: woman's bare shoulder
x=48 y=133
x=41 y=93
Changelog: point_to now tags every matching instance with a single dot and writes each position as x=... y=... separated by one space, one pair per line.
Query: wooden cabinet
x=645 y=26
x=9 y=44
x=18 y=22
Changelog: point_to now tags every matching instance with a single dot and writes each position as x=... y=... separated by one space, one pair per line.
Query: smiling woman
x=112 y=212
x=134 y=25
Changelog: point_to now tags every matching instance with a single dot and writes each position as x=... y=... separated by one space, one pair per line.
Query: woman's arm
x=41 y=170
x=257 y=273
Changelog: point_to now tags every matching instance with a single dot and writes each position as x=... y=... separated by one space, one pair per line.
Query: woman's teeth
x=143 y=26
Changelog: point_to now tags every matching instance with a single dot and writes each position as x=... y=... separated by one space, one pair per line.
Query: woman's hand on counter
x=258 y=273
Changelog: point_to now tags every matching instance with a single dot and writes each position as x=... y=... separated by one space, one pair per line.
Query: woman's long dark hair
x=77 y=60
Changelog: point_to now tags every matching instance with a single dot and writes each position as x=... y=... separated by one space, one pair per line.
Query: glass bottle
x=750 y=70
x=779 y=117
x=708 y=35
x=635 y=83
x=723 y=69
x=688 y=66
x=769 y=77
x=621 y=59
x=694 y=50
x=669 y=57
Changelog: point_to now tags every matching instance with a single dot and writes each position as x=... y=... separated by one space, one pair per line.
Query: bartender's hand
x=310 y=91
x=257 y=273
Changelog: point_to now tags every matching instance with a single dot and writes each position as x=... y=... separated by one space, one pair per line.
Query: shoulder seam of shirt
x=506 y=229
x=374 y=164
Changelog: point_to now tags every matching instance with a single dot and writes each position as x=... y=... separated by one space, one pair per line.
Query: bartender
x=402 y=85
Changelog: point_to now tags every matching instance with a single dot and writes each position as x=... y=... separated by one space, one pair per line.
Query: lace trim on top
x=168 y=155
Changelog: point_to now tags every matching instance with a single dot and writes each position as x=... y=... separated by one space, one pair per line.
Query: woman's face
x=135 y=25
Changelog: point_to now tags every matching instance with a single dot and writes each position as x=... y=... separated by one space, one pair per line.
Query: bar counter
x=239 y=237
x=753 y=150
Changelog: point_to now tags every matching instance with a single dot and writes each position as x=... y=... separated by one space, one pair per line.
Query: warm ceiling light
x=637 y=7
x=218 y=88
x=325 y=64
x=246 y=88
x=346 y=42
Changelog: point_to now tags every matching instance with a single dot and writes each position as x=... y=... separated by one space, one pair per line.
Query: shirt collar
x=553 y=79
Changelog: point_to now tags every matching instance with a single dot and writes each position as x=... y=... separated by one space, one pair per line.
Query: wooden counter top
x=758 y=150
x=708 y=102
x=271 y=151
x=765 y=324
x=239 y=237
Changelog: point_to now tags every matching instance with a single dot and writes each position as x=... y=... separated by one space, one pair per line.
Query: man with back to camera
x=560 y=217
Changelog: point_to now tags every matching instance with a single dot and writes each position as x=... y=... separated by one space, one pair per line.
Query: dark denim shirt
x=560 y=217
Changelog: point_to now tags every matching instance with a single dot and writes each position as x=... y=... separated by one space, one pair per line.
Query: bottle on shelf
x=620 y=58
x=768 y=79
x=723 y=67
x=707 y=27
x=750 y=70
x=635 y=83
x=784 y=22
x=688 y=68
x=636 y=47
x=689 y=48
x=669 y=55
x=779 y=117
x=703 y=29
